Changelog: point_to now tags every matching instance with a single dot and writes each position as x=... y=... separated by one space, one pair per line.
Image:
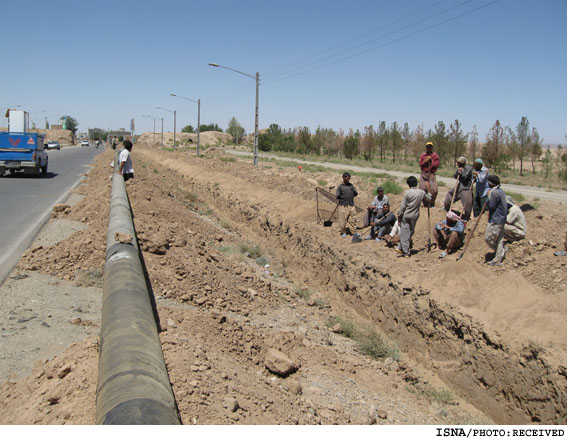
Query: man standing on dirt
x=409 y=214
x=429 y=163
x=464 y=174
x=345 y=196
x=497 y=212
x=515 y=228
x=125 y=161
x=480 y=174
x=376 y=207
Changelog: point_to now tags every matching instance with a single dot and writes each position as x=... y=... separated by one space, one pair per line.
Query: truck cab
x=22 y=151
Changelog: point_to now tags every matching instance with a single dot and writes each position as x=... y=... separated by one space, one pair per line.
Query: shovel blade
x=327 y=223
x=356 y=238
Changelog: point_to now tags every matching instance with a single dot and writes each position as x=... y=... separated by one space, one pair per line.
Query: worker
x=345 y=196
x=448 y=234
x=480 y=175
x=515 y=228
x=375 y=209
x=497 y=212
x=382 y=225
x=393 y=238
x=125 y=161
x=429 y=163
x=463 y=188
x=409 y=214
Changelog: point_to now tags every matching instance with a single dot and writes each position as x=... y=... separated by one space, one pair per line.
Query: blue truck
x=23 y=151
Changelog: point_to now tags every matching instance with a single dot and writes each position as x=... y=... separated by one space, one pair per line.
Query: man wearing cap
x=515 y=228
x=463 y=188
x=497 y=212
x=480 y=174
x=345 y=196
x=429 y=163
x=448 y=234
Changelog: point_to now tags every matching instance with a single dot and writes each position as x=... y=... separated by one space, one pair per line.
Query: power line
x=356 y=38
x=376 y=39
x=385 y=44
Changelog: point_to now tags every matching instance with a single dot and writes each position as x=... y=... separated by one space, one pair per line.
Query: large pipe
x=133 y=384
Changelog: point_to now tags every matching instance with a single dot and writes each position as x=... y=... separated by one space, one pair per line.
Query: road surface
x=26 y=201
x=529 y=192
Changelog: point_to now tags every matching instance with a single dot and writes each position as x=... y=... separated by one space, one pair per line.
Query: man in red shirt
x=429 y=163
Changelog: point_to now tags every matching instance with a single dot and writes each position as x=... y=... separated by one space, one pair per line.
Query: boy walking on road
x=409 y=214
x=345 y=196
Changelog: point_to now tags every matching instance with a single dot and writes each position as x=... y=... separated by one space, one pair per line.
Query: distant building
x=120 y=132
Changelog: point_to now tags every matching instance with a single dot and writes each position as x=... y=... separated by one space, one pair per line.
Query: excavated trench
x=510 y=385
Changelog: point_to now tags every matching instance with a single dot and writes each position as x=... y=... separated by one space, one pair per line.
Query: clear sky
x=105 y=62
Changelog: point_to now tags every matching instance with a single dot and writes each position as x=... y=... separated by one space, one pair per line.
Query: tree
x=511 y=141
x=457 y=141
x=492 y=150
x=473 y=141
x=406 y=135
x=210 y=128
x=72 y=125
x=440 y=141
x=235 y=130
x=304 y=141
x=351 y=144
x=382 y=139
x=188 y=129
x=418 y=141
x=396 y=139
x=535 y=147
x=523 y=135
x=367 y=144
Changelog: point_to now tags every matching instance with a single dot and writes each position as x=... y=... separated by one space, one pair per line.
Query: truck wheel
x=44 y=169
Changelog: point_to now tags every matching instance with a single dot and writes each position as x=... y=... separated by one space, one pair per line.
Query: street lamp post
x=162 y=131
x=46 y=120
x=198 y=102
x=154 y=132
x=174 y=121
x=257 y=79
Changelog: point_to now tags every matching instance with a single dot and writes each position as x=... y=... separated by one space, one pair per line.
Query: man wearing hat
x=515 y=228
x=448 y=234
x=497 y=212
x=429 y=163
x=463 y=188
x=480 y=174
x=345 y=197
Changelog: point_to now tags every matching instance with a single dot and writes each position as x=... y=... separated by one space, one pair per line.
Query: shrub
x=253 y=251
x=392 y=187
x=518 y=197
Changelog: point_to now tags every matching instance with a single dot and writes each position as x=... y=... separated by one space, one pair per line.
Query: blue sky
x=105 y=62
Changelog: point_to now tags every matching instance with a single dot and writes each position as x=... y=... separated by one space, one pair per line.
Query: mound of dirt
x=185 y=139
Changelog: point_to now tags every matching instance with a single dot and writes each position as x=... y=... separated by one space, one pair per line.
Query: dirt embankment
x=208 y=227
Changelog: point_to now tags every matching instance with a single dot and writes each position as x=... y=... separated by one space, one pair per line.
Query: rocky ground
x=241 y=269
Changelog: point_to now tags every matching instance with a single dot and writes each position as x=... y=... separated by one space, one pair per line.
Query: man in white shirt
x=125 y=161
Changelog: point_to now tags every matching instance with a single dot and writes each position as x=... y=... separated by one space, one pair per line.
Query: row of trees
x=212 y=127
x=504 y=147
x=234 y=129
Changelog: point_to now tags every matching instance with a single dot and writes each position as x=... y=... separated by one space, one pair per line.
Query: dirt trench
x=512 y=383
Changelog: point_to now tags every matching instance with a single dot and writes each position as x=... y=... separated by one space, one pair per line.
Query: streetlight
x=257 y=78
x=10 y=107
x=198 y=102
x=31 y=113
x=174 y=121
x=151 y=117
x=47 y=117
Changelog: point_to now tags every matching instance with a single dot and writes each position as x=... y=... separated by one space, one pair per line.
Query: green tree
x=351 y=145
x=367 y=143
x=523 y=136
x=210 y=128
x=72 y=125
x=473 y=141
x=512 y=145
x=406 y=135
x=188 y=129
x=235 y=130
x=493 y=148
x=440 y=141
x=395 y=140
x=264 y=142
x=303 y=140
x=457 y=140
x=382 y=137
x=535 y=147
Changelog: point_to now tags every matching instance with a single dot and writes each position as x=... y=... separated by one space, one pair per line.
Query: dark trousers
x=478 y=203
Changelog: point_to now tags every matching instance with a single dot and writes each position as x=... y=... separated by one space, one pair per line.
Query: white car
x=84 y=143
x=53 y=145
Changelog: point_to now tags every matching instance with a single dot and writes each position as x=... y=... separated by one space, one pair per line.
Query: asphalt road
x=527 y=191
x=26 y=201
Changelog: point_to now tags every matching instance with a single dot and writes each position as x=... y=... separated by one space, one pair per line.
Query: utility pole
x=256 y=121
x=198 y=125
x=162 y=131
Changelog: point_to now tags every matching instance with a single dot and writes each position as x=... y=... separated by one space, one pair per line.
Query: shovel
x=329 y=222
x=357 y=237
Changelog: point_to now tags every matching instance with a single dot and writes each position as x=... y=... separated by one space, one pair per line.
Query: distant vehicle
x=84 y=143
x=53 y=145
x=23 y=151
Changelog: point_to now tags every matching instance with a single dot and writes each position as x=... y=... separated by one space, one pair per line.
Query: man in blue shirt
x=480 y=174
x=497 y=212
x=448 y=234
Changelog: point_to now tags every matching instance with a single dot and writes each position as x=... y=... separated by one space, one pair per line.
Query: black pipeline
x=133 y=384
